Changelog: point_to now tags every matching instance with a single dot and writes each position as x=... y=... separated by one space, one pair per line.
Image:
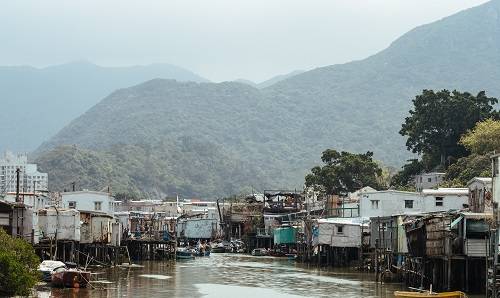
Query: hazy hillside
x=37 y=103
x=282 y=129
x=271 y=81
x=183 y=166
x=278 y=78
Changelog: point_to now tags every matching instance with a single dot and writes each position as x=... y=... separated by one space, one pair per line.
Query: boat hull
x=218 y=250
x=71 y=279
x=401 y=294
x=184 y=255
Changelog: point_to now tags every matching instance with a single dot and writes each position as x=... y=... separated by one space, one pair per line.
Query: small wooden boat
x=71 y=278
x=456 y=294
x=258 y=252
x=184 y=253
x=218 y=247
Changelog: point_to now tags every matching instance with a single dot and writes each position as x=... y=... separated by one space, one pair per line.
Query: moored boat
x=259 y=252
x=218 y=247
x=403 y=294
x=71 y=278
x=48 y=267
x=184 y=253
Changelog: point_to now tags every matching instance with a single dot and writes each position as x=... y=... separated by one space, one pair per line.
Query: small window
x=375 y=204
x=429 y=179
x=439 y=201
x=409 y=204
x=72 y=205
x=340 y=230
x=97 y=206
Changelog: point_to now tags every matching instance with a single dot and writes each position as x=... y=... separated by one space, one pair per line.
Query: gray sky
x=218 y=39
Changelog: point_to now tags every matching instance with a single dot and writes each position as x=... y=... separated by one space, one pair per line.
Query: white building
x=428 y=180
x=342 y=232
x=90 y=201
x=392 y=202
x=30 y=178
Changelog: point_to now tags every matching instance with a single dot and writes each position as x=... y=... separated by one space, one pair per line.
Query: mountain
x=248 y=82
x=278 y=78
x=271 y=81
x=41 y=101
x=282 y=129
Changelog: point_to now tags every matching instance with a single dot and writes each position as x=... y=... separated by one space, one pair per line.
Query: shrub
x=18 y=266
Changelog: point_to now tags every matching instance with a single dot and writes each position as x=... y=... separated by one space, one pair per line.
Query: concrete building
x=428 y=180
x=392 y=202
x=141 y=205
x=90 y=201
x=30 y=178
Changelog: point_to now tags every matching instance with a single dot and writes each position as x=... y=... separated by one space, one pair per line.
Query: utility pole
x=18 y=171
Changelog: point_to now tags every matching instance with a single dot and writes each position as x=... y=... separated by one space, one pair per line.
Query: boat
x=184 y=253
x=218 y=247
x=48 y=267
x=455 y=294
x=71 y=278
x=259 y=252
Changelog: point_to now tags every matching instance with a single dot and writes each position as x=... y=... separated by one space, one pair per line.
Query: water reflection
x=222 y=275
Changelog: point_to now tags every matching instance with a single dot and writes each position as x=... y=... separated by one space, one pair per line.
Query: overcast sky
x=218 y=39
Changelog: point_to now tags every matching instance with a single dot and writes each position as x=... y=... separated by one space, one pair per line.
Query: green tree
x=439 y=119
x=483 y=138
x=18 y=266
x=480 y=141
x=403 y=180
x=344 y=172
x=466 y=168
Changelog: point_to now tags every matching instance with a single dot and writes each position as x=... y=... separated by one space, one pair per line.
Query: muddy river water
x=227 y=276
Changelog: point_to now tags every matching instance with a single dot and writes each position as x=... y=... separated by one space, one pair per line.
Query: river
x=227 y=275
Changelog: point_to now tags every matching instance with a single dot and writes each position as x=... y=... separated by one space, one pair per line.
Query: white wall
x=350 y=236
x=197 y=228
x=450 y=201
x=428 y=180
x=65 y=222
x=392 y=202
x=86 y=201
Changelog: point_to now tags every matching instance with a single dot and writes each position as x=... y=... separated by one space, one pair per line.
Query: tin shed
x=61 y=224
x=285 y=235
x=17 y=220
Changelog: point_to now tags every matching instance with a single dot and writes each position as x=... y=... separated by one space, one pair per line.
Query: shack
x=388 y=233
x=341 y=240
x=197 y=228
x=446 y=249
x=285 y=240
x=17 y=220
x=95 y=228
x=61 y=224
